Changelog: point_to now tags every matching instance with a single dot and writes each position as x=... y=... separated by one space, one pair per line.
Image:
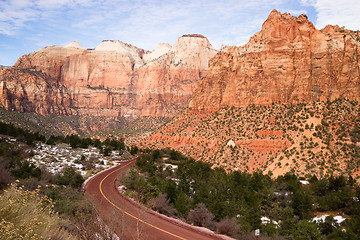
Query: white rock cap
x=123 y=48
x=162 y=48
x=73 y=44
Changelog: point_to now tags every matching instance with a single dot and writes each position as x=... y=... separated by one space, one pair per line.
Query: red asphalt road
x=131 y=221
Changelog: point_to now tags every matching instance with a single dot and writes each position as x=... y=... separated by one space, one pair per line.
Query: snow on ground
x=266 y=220
x=338 y=219
x=171 y=166
x=57 y=157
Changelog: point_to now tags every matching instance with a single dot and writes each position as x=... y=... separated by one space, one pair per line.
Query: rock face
x=165 y=84
x=257 y=109
x=288 y=61
x=163 y=48
x=115 y=79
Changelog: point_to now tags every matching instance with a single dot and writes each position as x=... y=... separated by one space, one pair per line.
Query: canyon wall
x=114 y=79
x=288 y=61
x=267 y=106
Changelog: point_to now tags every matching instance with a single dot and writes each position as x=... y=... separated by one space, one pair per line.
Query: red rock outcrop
x=288 y=61
x=114 y=79
x=263 y=145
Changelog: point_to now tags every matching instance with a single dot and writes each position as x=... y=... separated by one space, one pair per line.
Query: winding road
x=132 y=221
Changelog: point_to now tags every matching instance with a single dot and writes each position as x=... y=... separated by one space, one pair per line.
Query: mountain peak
x=190 y=42
x=123 y=48
x=112 y=45
x=73 y=44
x=192 y=46
x=280 y=27
x=276 y=16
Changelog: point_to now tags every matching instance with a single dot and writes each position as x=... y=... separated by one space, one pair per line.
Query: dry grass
x=27 y=215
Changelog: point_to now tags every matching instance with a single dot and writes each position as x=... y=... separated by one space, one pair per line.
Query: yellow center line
x=122 y=210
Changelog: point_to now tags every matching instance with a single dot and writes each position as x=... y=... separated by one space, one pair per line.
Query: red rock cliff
x=114 y=79
x=288 y=61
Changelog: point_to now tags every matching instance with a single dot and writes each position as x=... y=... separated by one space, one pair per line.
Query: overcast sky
x=28 y=25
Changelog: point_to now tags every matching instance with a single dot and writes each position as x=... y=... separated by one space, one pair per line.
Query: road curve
x=131 y=221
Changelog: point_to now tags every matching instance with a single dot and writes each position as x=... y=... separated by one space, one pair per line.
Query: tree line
x=73 y=140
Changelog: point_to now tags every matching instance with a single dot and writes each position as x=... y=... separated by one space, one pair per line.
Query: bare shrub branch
x=201 y=216
x=161 y=204
x=227 y=226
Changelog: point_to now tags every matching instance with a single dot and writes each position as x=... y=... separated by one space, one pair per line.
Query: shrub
x=134 y=181
x=5 y=177
x=26 y=215
x=107 y=151
x=26 y=170
x=161 y=204
x=307 y=230
x=70 y=177
x=90 y=165
x=328 y=226
x=134 y=150
x=201 y=216
x=227 y=226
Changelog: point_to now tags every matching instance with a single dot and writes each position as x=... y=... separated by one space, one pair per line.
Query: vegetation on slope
x=84 y=125
x=233 y=203
x=43 y=205
x=320 y=138
x=28 y=215
x=73 y=140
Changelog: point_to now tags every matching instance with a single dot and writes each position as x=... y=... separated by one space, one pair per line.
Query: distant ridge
x=112 y=82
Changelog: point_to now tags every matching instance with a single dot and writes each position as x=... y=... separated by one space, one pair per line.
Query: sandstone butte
x=288 y=61
x=113 y=80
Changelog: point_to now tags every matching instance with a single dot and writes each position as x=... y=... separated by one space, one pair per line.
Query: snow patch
x=303 y=182
x=338 y=219
x=171 y=166
x=56 y=158
x=266 y=220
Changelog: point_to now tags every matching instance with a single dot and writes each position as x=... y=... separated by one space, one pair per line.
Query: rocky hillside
x=288 y=61
x=285 y=101
x=321 y=138
x=113 y=80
